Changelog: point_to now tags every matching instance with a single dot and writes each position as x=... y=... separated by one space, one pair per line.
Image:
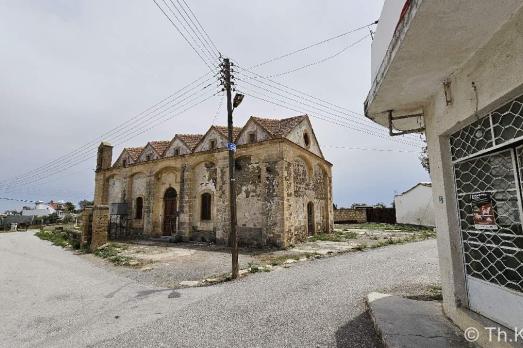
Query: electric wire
x=124 y=127
x=319 y=102
x=96 y=141
x=326 y=110
x=323 y=60
x=203 y=29
x=184 y=23
x=320 y=116
x=184 y=37
x=81 y=157
x=199 y=28
x=89 y=156
x=311 y=46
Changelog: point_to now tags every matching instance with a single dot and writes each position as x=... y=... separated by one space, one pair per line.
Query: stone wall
x=346 y=215
x=275 y=180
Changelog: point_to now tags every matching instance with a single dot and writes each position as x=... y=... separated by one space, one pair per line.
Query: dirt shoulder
x=176 y=265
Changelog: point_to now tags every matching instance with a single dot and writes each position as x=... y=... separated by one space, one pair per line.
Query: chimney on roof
x=105 y=156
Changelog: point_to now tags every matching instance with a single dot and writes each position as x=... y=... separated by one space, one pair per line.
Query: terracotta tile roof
x=223 y=130
x=160 y=146
x=190 y=140
x=279 y=128
x=134 y=152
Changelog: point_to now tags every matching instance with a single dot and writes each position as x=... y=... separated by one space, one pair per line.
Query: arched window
x=206 y=207
x=138 y=208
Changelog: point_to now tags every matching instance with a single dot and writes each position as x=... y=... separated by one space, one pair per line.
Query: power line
x=330 y=111
x=85 y=156
x=309 y=98
x=199 y=28
x=166 y=101
x=367 y=149
x=205 y=41
x=326 y=110
x=124 y=128
x=203 y=29
x=311 y=46
x=17 y=199
x=325 y=118
x=218 y=110
x=184 y=37
x=191 y=32
x=323 y=60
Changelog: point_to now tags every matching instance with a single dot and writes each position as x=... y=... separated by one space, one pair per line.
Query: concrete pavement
x=51 y=297
x=403 y=322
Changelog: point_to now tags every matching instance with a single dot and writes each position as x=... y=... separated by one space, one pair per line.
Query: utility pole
x=231 y=146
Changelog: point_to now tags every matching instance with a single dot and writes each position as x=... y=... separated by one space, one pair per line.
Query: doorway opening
x=310 y=218
x=170 y=212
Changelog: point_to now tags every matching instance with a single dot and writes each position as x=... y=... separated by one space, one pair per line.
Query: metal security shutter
x=488 y=167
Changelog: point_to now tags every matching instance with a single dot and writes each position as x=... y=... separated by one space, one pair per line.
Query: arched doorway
x=310 y=218
x=169 y=212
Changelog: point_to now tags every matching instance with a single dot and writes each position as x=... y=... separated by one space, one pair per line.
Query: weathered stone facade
x=284 y=185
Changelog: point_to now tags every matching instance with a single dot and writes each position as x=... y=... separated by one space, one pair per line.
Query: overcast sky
x=72 y=70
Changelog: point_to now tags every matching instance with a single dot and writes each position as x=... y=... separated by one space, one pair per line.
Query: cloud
x=73 y=70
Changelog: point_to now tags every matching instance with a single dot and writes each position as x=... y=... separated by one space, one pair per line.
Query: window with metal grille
x=206 y=205
x=493 y=255
x=138 y=208
x=497 y=128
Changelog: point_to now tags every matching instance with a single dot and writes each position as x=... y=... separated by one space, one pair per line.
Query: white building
x=415 y=206
x=40 y=209
x=455 y=70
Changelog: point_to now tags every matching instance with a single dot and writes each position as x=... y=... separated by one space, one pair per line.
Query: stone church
x=179 y=187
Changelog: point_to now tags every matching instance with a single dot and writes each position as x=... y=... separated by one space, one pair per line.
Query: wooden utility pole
x=231 y=146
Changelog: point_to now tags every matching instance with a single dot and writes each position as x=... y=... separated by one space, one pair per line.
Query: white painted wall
x=415 y=206
x=498 y=74
x=389 y=17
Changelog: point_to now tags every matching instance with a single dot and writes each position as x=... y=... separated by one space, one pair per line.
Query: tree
x=69 y=207
x=379 y=205
x=424 y=156
x=85 y=203
x=354 y=205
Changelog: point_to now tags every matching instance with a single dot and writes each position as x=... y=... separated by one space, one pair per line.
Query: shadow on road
x=358 y=332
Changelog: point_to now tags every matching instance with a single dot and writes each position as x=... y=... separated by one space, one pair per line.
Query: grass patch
x=60 y=237
x=111 y=252
x=255 y=268
x=336 y=236
x=388 y=227
x=277 y=260
x=360 y=247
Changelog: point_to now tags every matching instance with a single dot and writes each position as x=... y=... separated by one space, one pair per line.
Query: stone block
x=100 y=226
x=87 y=218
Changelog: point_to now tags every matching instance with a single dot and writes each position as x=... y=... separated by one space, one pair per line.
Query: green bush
x=57 y=238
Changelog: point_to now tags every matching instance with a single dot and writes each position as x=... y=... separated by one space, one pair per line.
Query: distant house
x=40 y=209
x=415 y=206
x=59 y=208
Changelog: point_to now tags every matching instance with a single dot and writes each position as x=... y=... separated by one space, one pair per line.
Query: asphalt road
x=50 y=297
